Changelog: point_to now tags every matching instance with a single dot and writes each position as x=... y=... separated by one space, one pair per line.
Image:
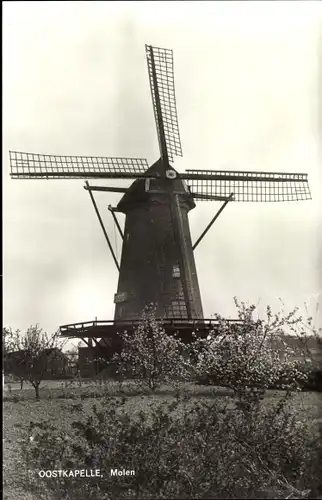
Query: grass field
x=20 y=407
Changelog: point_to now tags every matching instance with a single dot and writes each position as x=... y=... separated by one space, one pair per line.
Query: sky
x=248 y=78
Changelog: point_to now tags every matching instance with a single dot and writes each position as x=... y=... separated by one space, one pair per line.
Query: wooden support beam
x=102 y=226
x=203 y=234
x=111 y=209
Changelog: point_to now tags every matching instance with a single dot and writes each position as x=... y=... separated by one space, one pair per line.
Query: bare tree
x=8 y=336
x=32 y=356
x=7 y=341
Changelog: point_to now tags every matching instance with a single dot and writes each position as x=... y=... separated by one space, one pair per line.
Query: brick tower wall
x=149 y=263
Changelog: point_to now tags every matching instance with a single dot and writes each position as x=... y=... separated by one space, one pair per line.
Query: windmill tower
x=157 y=262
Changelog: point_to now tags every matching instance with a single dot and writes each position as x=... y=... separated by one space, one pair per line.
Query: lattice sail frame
x=40 y=166
x=248 y=186
x=164 y=72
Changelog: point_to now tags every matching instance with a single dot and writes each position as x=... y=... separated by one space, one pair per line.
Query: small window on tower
x=176 y=271
x=178 y=309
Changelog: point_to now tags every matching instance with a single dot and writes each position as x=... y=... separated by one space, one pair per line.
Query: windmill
x=157 y=261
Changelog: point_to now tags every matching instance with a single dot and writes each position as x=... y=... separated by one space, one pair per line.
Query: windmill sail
x=248 y=186
x=161 y=75
x=39 y=166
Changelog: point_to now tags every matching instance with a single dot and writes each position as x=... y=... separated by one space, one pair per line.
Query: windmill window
x=179 y=309
x=176 y=271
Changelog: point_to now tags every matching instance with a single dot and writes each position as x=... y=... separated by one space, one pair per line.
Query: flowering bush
x=251 y=356
x=151 y=357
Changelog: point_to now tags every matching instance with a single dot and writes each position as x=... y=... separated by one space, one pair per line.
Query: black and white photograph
x=162 y=250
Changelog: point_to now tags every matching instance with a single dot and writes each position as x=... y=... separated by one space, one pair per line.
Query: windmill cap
x=144 y=189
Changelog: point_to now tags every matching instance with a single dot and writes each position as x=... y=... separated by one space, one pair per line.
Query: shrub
x=251 y=356
x=201 y=450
